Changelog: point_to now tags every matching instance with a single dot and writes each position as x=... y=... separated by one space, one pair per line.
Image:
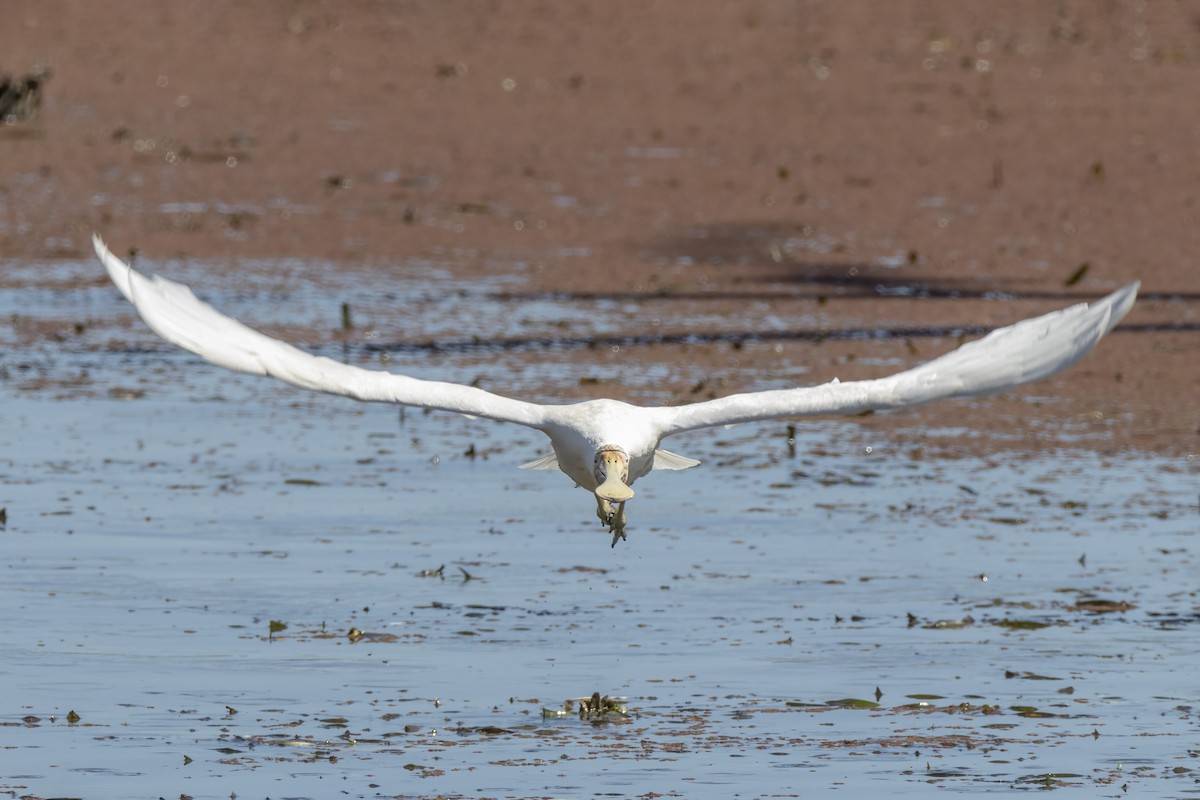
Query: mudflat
x=862 y=166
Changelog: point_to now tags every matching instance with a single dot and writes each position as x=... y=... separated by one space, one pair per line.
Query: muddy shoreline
x=864 y=167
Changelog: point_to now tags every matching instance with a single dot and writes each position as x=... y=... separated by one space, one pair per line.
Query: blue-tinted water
x=1044 y=611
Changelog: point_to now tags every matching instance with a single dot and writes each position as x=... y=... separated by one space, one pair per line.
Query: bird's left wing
x=1007 y=357
x=175 y=314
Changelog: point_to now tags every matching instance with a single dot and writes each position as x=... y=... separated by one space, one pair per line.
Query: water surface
x=841 y=613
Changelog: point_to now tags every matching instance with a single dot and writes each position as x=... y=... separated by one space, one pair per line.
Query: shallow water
x=1026 y=624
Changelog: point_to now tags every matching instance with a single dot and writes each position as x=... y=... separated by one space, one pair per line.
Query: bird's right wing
x=177 y=315
x=1007 y=357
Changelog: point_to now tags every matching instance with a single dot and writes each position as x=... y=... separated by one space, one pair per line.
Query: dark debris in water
x=1097 y=605
x=595 y=707
x=422 y=735
x=916 y=742
x=355 y=635
x=1024 y=624
x=1028 y=676
x=1033 y=712
x=1087 y=608
x=852 y=702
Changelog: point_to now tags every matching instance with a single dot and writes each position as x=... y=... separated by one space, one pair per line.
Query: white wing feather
x=1027 y=351
x=176 y=314
x=666 y=460
x=545 y=462
x=1007 y=357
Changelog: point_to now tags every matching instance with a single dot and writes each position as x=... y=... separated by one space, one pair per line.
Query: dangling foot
x=612 y=514
x=604 y=511
x=616 y=525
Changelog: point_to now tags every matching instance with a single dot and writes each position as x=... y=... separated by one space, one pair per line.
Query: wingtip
x=102 y=252
x=1129 y=290
x=1120 y=302
x=120 y=273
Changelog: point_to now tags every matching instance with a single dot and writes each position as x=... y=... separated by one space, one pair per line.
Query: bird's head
x=611 y=468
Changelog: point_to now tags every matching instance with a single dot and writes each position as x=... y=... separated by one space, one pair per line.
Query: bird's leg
x=617 y=525
x=604 y=511
x=612 y=515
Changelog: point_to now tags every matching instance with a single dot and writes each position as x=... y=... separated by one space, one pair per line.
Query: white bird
x=605 y=445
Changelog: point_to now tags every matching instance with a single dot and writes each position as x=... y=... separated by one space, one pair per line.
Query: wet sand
x=830 y=161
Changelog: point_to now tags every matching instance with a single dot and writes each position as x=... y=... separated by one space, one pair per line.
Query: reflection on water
x=845 y=617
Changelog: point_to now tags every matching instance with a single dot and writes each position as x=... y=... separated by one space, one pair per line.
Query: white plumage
x=606 y=445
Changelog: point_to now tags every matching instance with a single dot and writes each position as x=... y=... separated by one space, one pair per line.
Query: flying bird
x=605 y=445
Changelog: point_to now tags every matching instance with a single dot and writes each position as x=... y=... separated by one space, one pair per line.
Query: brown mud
x=876 y=165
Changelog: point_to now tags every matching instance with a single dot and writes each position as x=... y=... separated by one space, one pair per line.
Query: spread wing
x=175 y=314
x=663 y=460
x=1007 y=357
